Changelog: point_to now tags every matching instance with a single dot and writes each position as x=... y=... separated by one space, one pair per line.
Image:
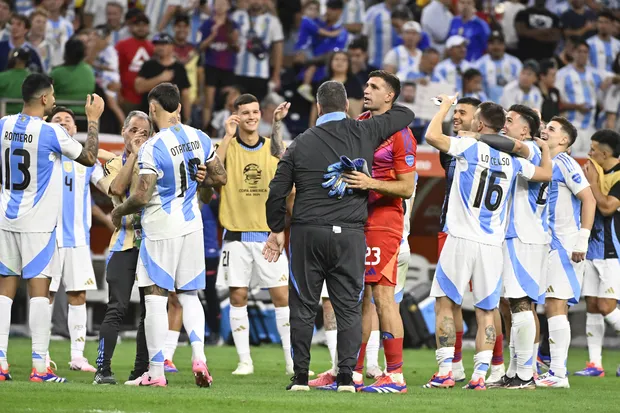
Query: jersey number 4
x=21 y=166
x=492 y=188
x=193 y=169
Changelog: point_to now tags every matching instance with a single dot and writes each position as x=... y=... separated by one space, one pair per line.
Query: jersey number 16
x=492 y=188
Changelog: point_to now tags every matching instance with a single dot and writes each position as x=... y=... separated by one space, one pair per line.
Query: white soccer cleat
x=244 y=369
x=81 y=364
x=374 y=372
x=551 y=380
x=497 y=372
x=458 y=371
x=134 y=382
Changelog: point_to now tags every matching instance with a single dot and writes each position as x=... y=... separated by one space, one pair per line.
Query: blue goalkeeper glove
x=334 y=179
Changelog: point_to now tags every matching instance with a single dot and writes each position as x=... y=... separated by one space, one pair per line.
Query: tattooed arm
x=216 y=174
x=94 y=108
x=137 y=200
x=277 y=146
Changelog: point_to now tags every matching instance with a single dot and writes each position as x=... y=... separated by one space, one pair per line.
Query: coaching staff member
x=327 y=235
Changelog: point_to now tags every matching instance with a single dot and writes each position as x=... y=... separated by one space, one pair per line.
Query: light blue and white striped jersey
x=564 y=207
x=75 y=218
x=483 y=180
x=402 y=60
x=555 y=6
x=24 y=7
x=378 y=28
x=498 y=73
x=481 y=96
x=269 y=29
x=354 y=12
x=156 y=9
x=514 y=95
x=603 y=53
x=31 y=172
x=528 y=209
x=580 y=88
x=174 y=155
x=452 y=73
x=57 y=33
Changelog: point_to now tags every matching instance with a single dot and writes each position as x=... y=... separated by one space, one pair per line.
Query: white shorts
x=76 y=270
x=525 y=266
x=241 y=261
x=176 y=263
x=564 y=276
x=463 y=260
x=602 y=279
x=31 y=254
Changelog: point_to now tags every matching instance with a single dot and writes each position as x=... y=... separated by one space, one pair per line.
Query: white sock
x=525 y=328
x=76 y=319
x=172 y=339
x=535 y=357
x=512 y=364
x=284 y=329
x=613 y=319
x=332 y=345
x=482 y=360
x=194 y=323
x=559 y=341
x=5 y=325
x=240 y=326
x=444 y=358
x=39 y=322
x=49 y=357
x=155 y=329
x=595 y=331
x=372 y=349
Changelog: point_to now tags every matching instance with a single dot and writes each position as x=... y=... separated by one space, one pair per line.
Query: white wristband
x=582 y=240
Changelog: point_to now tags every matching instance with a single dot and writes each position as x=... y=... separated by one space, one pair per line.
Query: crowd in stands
x=558 y=56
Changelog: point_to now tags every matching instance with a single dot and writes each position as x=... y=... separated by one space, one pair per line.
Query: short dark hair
x=493 y=115
x=546 y=65
x=471 y=101
x=470 y=74
x=392 y=81
x=181 y=18
x=401 y=12
x=608 y=14
x=610 y=138
x=167 y=95
x=23 y=19
x=61 y=109
x=530 y=117
x=567 y=127
x=74 y=52
x=581 y=42
x=244 y=99
x=332 y=96
x=34 y=84
x=430 y=50
x=360 y=42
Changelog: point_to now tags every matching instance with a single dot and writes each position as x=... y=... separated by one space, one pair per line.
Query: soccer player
x=601 y=284
x=172 y=228
x=392 y=181
x=571 y=214
x=73 y=239
x=31 y=153
x=251 y=161
x=476 y=217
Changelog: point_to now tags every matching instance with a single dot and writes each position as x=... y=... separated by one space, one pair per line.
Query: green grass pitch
x=264 y=391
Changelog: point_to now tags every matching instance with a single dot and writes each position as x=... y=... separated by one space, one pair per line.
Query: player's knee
x=76 y=297
x=518 y=305
x=173 y=301
x=155 y=290
x=238 y=297
x=279 y=296
x=592 y=305
x=605 y=306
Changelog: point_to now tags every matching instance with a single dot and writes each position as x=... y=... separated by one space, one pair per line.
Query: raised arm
x=94 y=108
x=122 y=181
x=230 y=125
x=606 y=204
x=434 y=134
x=381 y=127
x=506 y=144
x=277 y=146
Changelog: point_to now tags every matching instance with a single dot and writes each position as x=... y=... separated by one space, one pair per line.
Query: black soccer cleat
x=503 y=382
x=345 y=383
x=517 y=384
x=104 y=377
x=299 y=382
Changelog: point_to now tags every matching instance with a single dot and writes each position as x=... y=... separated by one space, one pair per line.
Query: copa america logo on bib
x=410 y=159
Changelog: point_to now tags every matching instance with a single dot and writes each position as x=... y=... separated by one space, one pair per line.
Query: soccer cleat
x=591 y=370
x=549 y=379
x=244 y=369
x=201 y=374
x=388 y=383
x=458 y=371
x=324 y=379
x=49 y=363
x=47 y=377
x=104 y=377
x=476 y=385
x=5 y=375
x=374 y=372
x=81 y=364
x=169 y=367
x=146 y=380
x=502 y=382
x=345 y=383
x=441 y=382
x=542 y=363
x=299 y=383
x=497 y=372
x=516 y=383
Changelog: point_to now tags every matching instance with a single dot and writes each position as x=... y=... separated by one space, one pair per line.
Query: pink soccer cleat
x=440 y=382
x=81 y=364
x=324 y=379
x=201 y=374
x=146 y=380
x=5 y=375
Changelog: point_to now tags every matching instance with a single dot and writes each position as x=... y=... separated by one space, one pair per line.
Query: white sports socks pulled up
x=595 y=331
x=372 y=349
x=559 y=341
x=524 y=328
x=76 y=320
x=172 y=339
x=284 y=329
x=155 y=329
x=194 y=323
x=613 y=319
x=39 y=322
x=535 y=357
x=512 y=364
x=240 y=326
x=444 y=357
x=5 y=324
x=332 y=344
x=482 y=361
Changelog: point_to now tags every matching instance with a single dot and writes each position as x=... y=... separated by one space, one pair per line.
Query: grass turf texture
x=264 y=391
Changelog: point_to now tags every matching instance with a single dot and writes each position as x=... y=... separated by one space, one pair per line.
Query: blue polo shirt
x=476 y=31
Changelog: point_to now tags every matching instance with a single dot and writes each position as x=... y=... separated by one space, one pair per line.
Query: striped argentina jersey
x=564 y=207
x=381 y=35
x=603 y=53
x=75 y=216
x=452 y=73
x=512 y=94
x=596 y=243
x=528 y=208
x=173 y=155
x=31 y=172
x=483 y=179
x=498 y=73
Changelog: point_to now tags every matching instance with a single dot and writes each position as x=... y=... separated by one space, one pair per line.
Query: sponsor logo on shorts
x=371 y=272
x=283 y=278
x=90 y=281
x=550 y=289
x=610 y=290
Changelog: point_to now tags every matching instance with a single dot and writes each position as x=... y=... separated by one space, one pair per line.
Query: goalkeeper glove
x=334 y=179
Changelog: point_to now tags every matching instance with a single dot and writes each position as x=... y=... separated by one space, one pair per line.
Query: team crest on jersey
x=252 y=174
x=577 y=178
x=410 y=159
x=22 y=118
x=80 y=169
x=68 y=167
